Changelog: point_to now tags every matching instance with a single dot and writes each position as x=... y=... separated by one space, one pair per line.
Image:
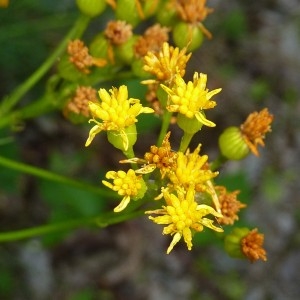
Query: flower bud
x=68 y=71
x=187 y=35
x=188 y=125
x=232 y=242
x=91 y=8
x=137 y=68
x=99 y=46
x=125 y=51
x=166 y=15
x=232 y=144
x=123 y=140
x=127 y=10
x=150 y=8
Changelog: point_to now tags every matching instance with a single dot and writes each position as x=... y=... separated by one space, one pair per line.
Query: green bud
x=68 y=71
x=232 y=242
x=166 y=15
x=125 y=52
x=127 y=10
x=150 y=8
x=188 y=125
x=123 y=141
x=187 y=35
x=91 y=8
x=232 y=145
x=99 y=47
x=137 y=68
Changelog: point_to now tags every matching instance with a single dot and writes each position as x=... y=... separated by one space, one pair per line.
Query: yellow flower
x=182 y=214
x=191 y=169
x=190 y=99
x=254 y=129
x=116 y=111
x=166 y=63
x=127 y=184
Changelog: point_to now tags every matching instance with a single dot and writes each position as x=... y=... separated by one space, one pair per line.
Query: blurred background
x=254 y=57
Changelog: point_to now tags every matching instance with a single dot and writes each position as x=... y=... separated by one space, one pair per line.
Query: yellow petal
x=125 y=201
x=176 y=239
x=201 y=118
x=95 y=130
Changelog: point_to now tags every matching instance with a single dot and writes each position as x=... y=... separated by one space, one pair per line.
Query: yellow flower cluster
x=183 y=180
x=186 y=179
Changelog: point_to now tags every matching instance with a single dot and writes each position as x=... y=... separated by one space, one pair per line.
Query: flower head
x=255 y=127
x=252 y=246
x=182 y=215
x=190 y=99
x=230 y=206
x=79 y=103
x=80 y=57
x=194 y=12
x=191 y=169
x=151 y=40
x=116 y=111
x=162 y=158
x=118 y=32
x=129 y=185
x=166 y=63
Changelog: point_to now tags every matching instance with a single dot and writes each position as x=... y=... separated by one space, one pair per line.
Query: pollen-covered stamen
x=193 y=12
x=118 y=32
x=255 y=127
x=230 y=205
x=151 y=40
x=80 y=57
x=162 y=157
x=79 y=104
x=252 y=246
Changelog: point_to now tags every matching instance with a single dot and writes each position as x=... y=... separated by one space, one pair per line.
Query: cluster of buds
x=186 y=197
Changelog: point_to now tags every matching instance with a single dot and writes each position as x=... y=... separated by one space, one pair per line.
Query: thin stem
x=185 y=141
x=220 y=160
x=164 y=127
x=21 y=167
x=99 y=221
x=10 y=101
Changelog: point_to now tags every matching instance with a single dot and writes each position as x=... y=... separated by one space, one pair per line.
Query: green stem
x=21 y=167
x=30 y=111
x=185 y=141
x=10 y=101
x=220 y=160
x=100 y=221
x=164 y=127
